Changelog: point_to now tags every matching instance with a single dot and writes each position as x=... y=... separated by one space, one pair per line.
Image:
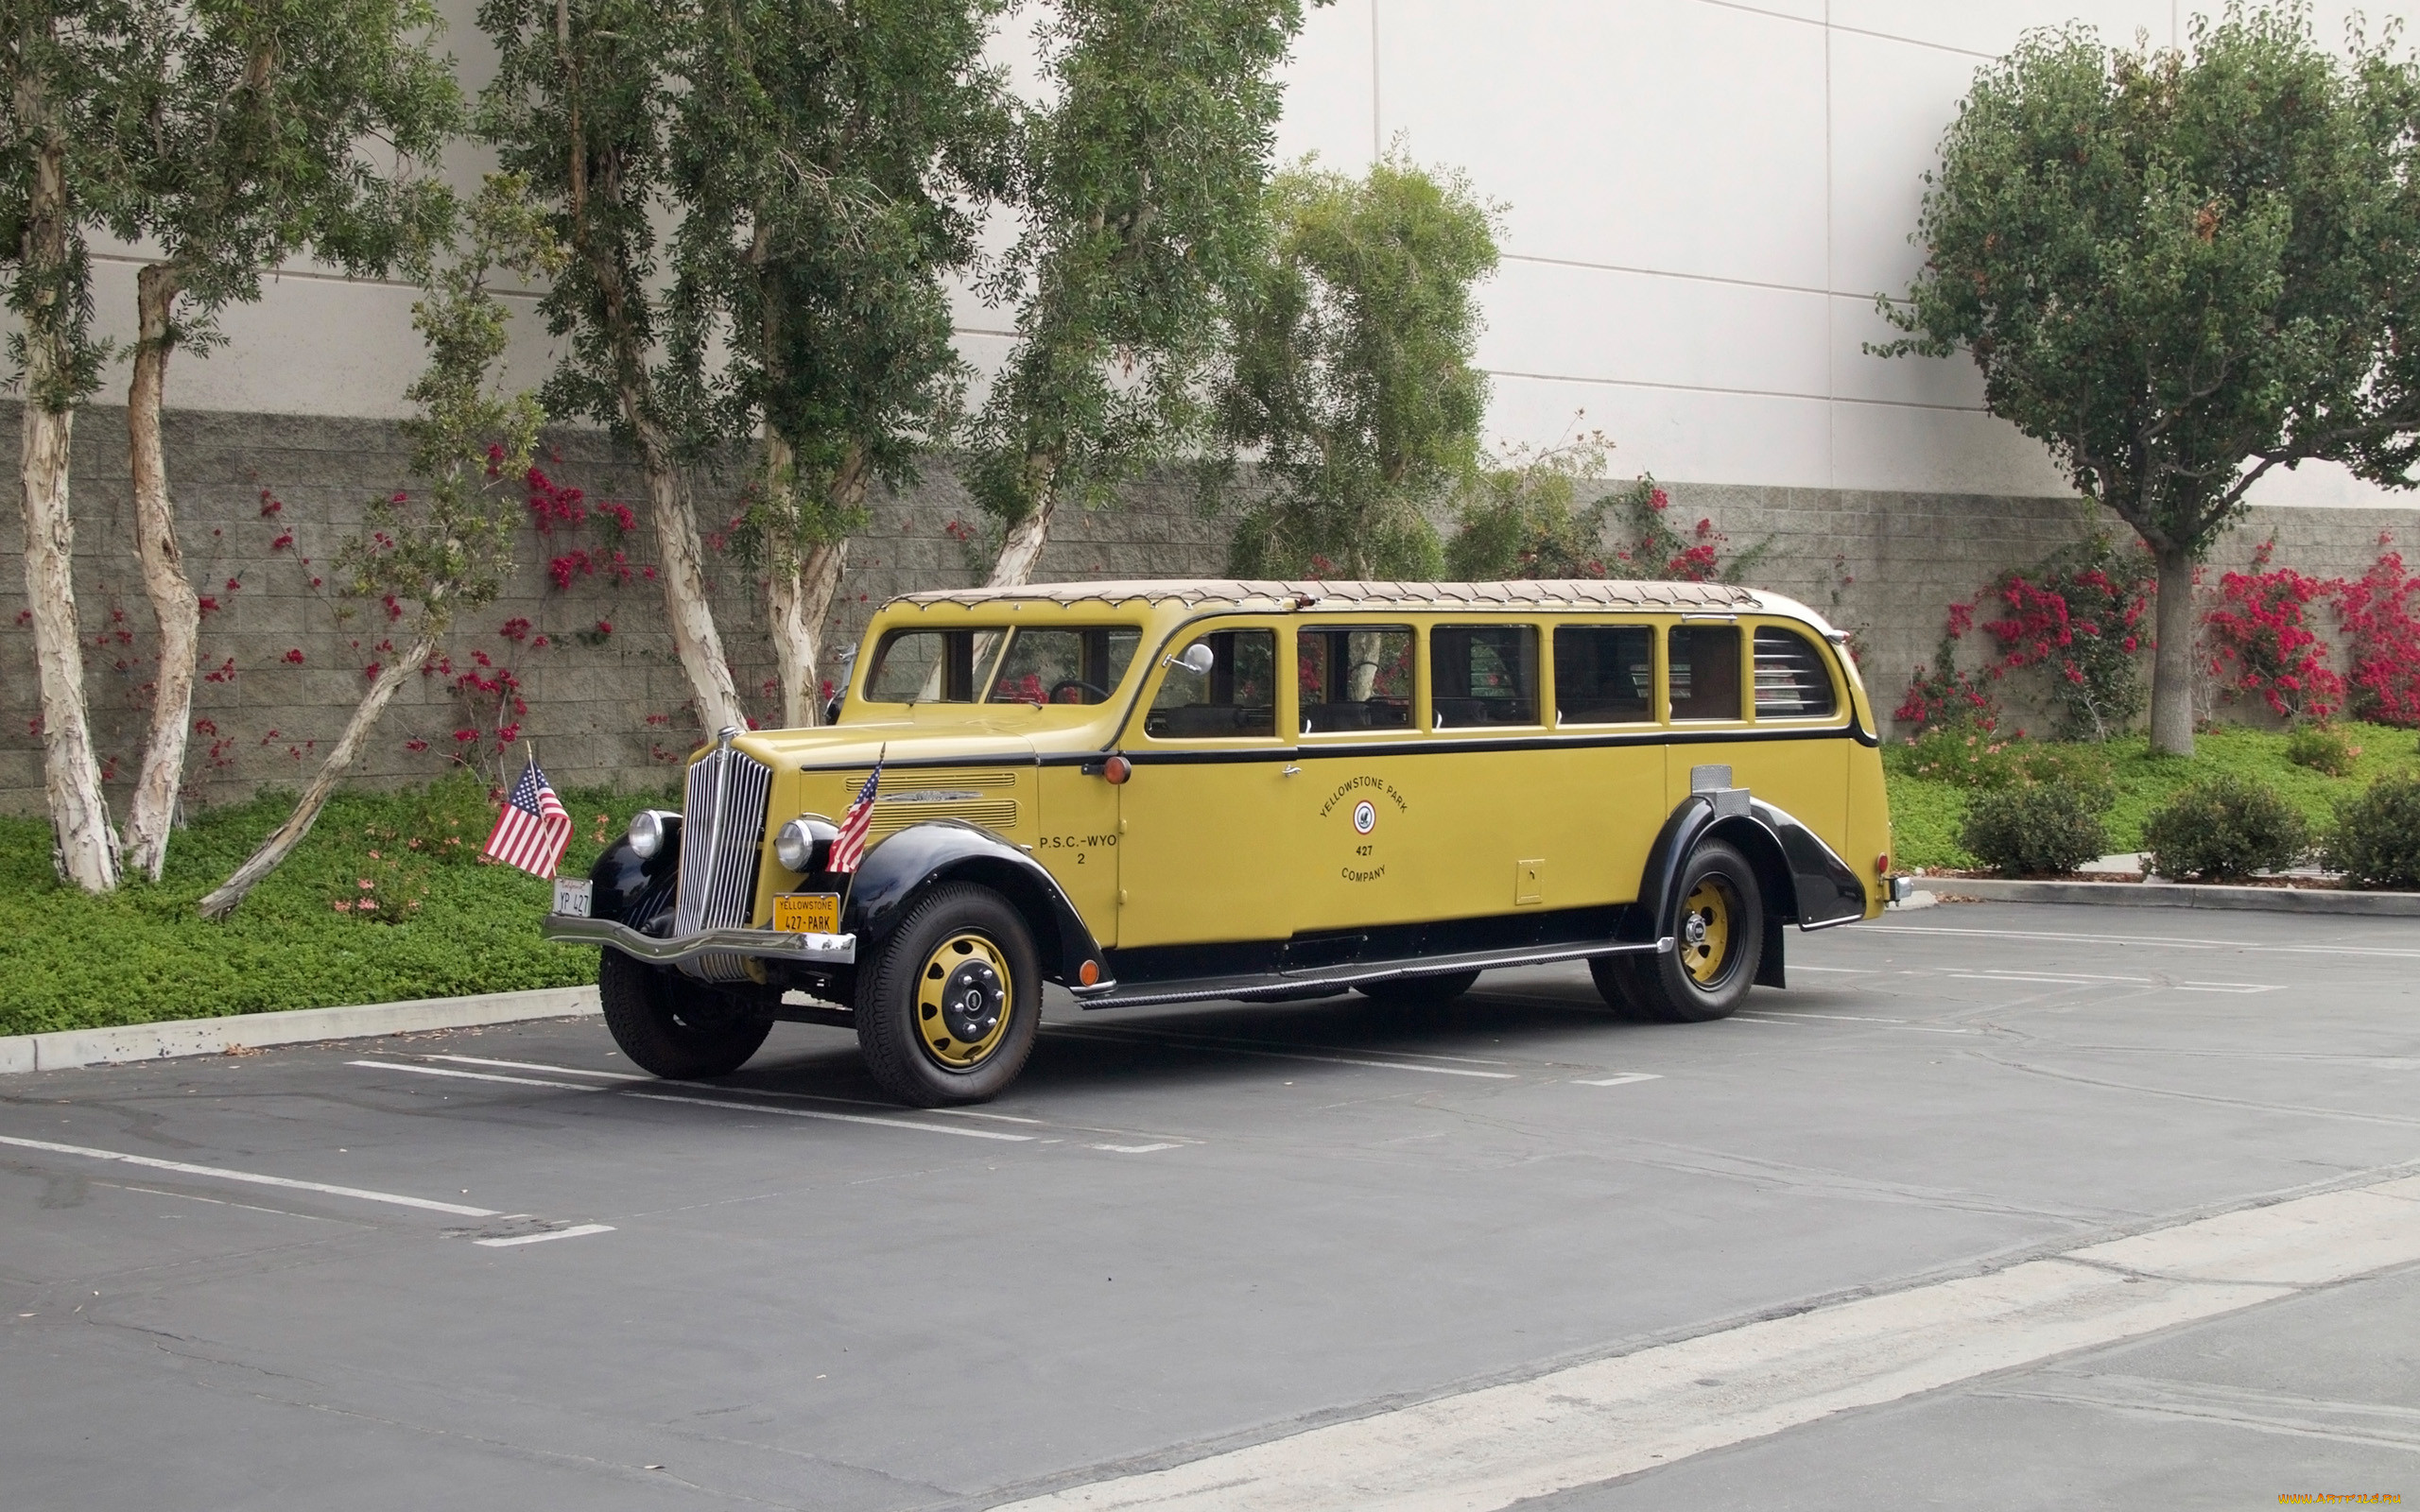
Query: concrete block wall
x=609 y=708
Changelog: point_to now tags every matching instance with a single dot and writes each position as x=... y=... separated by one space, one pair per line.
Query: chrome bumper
x=773 y=945
x=1902 y=888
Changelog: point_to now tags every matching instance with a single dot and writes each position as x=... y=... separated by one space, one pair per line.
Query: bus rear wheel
x=948 y=1012
x=1717 y=940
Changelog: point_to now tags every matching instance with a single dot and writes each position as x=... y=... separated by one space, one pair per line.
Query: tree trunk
x=79 y=816
x=800 y=587
x=694 y=636
x=2173 y=660
x=173 y=603
x=341 y=756
x=1022 y=546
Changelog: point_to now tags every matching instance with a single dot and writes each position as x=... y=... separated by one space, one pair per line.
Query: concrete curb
x=246 y=1031
x=2183 y=895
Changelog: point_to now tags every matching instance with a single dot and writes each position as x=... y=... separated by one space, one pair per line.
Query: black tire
x=1718 y=926
x=1419 y=991
x=948 y=1012
x=673 y=1026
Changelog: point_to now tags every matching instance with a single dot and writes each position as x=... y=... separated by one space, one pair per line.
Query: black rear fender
x=1802 y=880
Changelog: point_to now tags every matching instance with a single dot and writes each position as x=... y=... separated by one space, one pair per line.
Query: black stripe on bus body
x=1355 y=749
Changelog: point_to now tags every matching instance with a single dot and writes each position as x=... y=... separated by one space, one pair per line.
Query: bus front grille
x=722 y=838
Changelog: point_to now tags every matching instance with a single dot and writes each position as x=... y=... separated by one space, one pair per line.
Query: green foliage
x=2035 y=829
x=1927 y=808
x=2323 y=748
x=830 y=161
x=70 y=960
x=1139 y=189
x=582 y=115
x=70 y=70
x=471 y=442
x=1353 y=372
x=2376 y=841
x=2167 y=267
x=1971 y=757
x=1521 y=517
x=263 y=131
x=2222 y=828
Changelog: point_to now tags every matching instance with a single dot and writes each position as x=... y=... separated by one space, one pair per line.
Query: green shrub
x=2035 y=828
x=2377 y=843
x=2323 y=748
x=2082 y=770
x=2224 y=827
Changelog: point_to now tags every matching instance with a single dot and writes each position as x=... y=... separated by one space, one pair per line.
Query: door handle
x=1290 y=771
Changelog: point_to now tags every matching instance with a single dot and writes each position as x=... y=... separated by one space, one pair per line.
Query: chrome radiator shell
x=722 y=842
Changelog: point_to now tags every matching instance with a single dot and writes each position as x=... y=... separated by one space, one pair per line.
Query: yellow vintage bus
x=1163 y=792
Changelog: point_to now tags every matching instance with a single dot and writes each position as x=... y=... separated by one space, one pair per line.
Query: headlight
x=799 y=845
x=651 y=830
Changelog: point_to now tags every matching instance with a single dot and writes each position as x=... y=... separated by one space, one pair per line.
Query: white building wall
x=1704 y=198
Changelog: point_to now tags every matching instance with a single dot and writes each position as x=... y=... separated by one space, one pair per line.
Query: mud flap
x=1769 y=966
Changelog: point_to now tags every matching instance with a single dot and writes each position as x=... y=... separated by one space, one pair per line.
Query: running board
x=1327 y=980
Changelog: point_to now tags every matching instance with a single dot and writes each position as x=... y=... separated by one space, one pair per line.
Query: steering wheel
x=1079 y=683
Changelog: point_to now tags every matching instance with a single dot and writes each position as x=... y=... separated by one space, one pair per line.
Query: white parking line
x=533 y=1065
x=1623 y=1080
x=730 y=1107
x=2242 y=989
x=469 y=1075
x=1133 y=1149
x=2131 y=941
x=1477 y=1450
x=575 y=1231
x=1228 y=1048
x=255 y=1178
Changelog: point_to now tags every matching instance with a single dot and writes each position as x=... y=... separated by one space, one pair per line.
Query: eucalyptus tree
x=270 y=128
x=1140 y=189
x=829 y=161
x=68 y=64
x=447 y=548
x=2181 y=270
x=1352 y=371
x=581 y=106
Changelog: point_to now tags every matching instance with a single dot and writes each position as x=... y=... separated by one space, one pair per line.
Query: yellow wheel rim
x=1705 y=930
x=964 y=997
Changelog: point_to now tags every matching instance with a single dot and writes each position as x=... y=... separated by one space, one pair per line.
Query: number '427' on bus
x=1166 y=792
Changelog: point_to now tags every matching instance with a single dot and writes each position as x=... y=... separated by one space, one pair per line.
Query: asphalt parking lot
x=491 y=1267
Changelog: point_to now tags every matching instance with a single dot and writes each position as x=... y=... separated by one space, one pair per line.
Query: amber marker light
x=1088 y=974
x=1117 y=769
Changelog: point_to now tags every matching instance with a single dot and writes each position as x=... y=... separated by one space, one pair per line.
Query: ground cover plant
x=1933 y=783
x=387 y=900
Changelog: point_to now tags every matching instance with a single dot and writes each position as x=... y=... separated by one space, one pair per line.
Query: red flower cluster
x=552 y=504
x=2377 y=612
x=2260 y=643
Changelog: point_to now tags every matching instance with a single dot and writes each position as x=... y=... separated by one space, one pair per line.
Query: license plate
x=806 y=913
x=572 y=895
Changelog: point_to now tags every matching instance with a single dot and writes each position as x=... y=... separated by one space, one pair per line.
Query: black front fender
x=631 y=891
x=896 y=873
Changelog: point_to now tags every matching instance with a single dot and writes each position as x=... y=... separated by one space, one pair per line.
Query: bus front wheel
x=1717 y=929
x=948 y=1013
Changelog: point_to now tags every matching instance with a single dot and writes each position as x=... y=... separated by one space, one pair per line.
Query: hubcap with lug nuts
x=962 y=1001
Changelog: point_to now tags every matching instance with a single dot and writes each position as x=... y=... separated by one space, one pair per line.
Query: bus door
x=1200 y=845
x=1362 y=839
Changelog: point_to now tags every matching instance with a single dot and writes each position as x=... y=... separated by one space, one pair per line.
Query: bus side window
x=1236 y=696
x=1604 y=673
x=1793 y=680
x=1355 y=679
x=1482 y=675
x=923 y=666
x=1704 y=660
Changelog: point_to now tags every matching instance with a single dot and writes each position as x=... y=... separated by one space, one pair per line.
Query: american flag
x=533 y=828
x=849 y=846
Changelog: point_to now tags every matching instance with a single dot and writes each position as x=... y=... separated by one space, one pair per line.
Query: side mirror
x=1196 y=659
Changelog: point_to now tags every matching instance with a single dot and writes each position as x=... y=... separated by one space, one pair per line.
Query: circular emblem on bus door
x=1365 y=816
